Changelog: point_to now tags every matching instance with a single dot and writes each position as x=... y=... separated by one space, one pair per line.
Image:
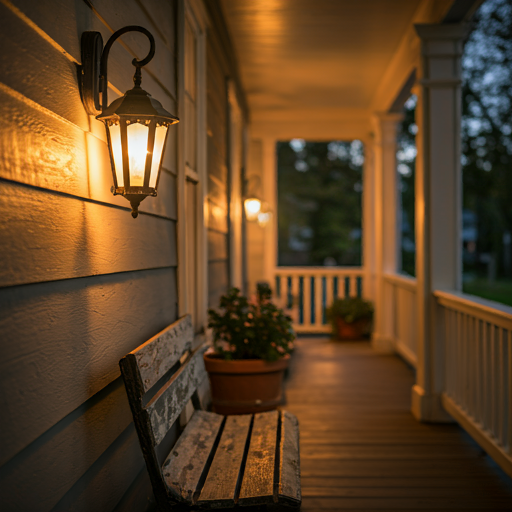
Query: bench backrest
x=156 y=395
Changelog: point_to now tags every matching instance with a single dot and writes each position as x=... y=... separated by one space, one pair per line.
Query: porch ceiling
x=317 y=62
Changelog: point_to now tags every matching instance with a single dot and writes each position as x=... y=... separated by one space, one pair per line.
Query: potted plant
x=351 y=318
x=252 y=342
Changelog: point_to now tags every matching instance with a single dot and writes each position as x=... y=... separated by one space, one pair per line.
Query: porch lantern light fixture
x=136 y=123
x=252 y=206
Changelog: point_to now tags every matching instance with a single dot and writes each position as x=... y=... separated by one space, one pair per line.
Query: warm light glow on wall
x=264 y=218
x=136 y=123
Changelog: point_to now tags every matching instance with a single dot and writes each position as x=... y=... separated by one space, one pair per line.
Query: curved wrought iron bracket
x=94 y=76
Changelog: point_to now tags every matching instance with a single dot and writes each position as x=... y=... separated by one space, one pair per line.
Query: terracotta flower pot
x=245 y=386
x=353 y=331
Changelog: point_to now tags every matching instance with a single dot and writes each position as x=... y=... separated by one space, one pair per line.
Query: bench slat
x=165 y=407
x=184 y=465
x=289 y=461
x=258 y=482
x=220 y=485
x=160 y=353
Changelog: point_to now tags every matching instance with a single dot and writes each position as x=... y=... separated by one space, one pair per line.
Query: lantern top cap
x=137 y=103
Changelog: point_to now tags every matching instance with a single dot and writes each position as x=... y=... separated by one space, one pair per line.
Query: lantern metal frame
x=136 y=106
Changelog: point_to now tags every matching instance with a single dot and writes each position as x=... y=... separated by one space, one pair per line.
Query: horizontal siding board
x=62 y=343
x=216 y=217
x=218 y=282
x=48 y=237
x=76 y=18
x=39 y=149
x=106 y=481
x=132 y=14
x=139 y=496
x=217 y=166
x=33 y=75
x=217 y=246
x=59 y=458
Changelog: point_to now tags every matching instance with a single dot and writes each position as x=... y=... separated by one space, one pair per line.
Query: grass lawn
x=500 y=290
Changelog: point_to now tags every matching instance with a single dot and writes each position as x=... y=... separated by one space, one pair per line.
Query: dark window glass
x=319 y=202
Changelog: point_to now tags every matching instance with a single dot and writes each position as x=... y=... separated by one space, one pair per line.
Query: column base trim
x=428 y=407
x=383 y=343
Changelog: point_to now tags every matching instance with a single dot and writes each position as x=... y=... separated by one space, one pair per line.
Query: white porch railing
x=305 y=293
x=478 y=370
x=400 y=314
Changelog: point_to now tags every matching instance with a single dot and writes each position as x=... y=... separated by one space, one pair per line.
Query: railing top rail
x=487 y=310
x=318 y=271
x=401 y=280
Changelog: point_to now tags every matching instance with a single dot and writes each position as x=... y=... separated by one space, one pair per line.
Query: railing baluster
x=295 y=299
x=319 y=301
x=502 y=403
x=487 y=377
x=494 y=382
x=509 y=387
x=352 y=286
x=307 y=301
x=448 y=349
x=329 y=293
x=479 y=380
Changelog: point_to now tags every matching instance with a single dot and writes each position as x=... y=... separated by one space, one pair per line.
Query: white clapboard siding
x=62 y=343
x=44 y=234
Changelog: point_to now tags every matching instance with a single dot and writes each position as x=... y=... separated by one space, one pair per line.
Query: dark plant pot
x=353 y=331
x=245 y=386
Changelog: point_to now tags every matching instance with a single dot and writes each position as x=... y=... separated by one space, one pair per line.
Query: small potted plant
x=252 y=342
x=351 y=318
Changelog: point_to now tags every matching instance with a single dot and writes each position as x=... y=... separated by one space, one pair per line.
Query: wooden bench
x=217 y=461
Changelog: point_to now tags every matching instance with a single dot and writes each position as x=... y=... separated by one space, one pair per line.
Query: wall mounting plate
x=91 y=51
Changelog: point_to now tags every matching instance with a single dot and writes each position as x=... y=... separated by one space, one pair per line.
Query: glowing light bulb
x=252 y=208
x=137 y=152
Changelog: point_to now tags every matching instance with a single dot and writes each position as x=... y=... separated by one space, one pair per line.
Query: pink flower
x=273 y=344
x=246 y=341
x=280 y=350
x=247 y=324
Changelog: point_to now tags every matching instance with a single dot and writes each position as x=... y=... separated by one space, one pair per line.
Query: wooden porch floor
x=362 y=450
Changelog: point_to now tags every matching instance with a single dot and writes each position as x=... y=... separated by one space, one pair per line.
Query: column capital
x=384 y=126
x=441 y=52
x=429 y=31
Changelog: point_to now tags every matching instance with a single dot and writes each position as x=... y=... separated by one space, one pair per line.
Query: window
x=319 y=202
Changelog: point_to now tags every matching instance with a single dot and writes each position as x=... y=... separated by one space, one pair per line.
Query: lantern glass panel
x=137 y=135
x=117 y=152
x=160 y=134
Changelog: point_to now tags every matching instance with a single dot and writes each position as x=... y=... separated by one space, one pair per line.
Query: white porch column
x=438 y=203
x=386 y=224
x=368 y=221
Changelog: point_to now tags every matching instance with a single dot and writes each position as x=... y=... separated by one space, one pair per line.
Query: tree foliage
x=319 y=202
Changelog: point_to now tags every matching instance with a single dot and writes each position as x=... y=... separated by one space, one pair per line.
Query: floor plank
x=362 y=450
